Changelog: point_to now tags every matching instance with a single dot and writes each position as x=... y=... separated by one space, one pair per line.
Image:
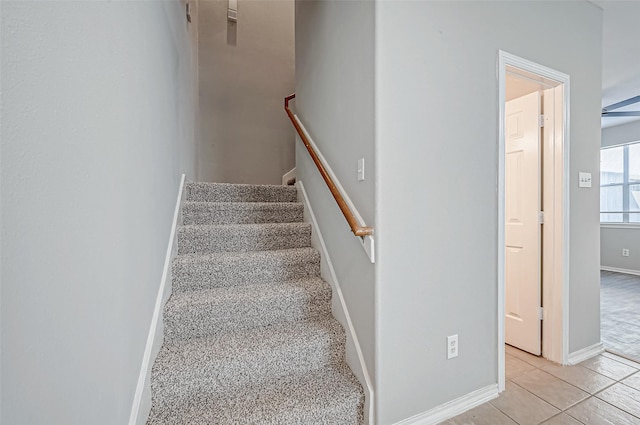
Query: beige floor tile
x=581 y=377
x=621 y=359
x=527 y=357
x=633 y=381
x=623 y=397
x=594 y=411
x=485 y=414
x=608 y=367
x=522 y=406
x=562 y=419
x=553 y=390
x=516 y=367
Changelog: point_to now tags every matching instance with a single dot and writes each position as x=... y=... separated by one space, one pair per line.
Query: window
x=620 y=184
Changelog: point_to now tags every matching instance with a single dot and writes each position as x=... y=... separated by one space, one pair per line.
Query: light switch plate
x=584 y=180
x=361 y=169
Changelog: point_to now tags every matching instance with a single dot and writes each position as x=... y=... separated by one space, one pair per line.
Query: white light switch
x=361 y=169
x=584 y=180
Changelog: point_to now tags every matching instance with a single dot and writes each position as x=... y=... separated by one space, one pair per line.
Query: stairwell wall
x=246 y=70
x=98 y=108
x=437 y=172
x=334 y=101
x=613 y=238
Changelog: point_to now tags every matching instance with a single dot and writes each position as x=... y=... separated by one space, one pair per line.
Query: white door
x=522 y=178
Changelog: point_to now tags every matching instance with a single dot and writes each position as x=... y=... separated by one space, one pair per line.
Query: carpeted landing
x=248 y=332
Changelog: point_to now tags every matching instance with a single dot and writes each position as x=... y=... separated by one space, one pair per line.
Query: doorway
x=532 y=230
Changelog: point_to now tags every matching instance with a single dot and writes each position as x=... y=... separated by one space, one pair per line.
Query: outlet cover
x=452 y=346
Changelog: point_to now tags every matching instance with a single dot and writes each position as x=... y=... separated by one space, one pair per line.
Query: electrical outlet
x=452 y=346
x=625 y=252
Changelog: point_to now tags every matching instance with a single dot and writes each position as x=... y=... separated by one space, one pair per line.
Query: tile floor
x=604 y=390
x=619 y=311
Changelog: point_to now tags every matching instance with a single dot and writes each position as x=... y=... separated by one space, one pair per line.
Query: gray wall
x=620 y=134
x=615 y=237
x=98 y=117
x=246 y=70
x=436 y=196
x=612 y=240
x=335 y=95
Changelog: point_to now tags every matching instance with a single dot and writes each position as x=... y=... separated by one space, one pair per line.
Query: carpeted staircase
x=248 y=332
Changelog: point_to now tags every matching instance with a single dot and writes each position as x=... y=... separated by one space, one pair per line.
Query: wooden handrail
x=356 y=228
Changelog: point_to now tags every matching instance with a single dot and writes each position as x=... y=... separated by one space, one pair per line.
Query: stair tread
x=241 y=212
x=232 y=343
x=204 y=312
x=245 y=227
x=240 y=185
x=246 y=255
x=225 y=269
x=230 y=192
x=242 y=237
x=244 y=205
x=257 y=293
x=330 y=396
x=227 y=361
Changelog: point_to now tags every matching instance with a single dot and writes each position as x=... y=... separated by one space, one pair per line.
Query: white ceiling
x=620 y=56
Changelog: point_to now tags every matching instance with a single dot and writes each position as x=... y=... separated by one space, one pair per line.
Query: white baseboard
x=142 y=398
x=615 y=269
x=288 y=176
x=585 y=353
x=453 y=407
x=355 y=358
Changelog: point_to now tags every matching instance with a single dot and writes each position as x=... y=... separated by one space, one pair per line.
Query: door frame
x=555 y=326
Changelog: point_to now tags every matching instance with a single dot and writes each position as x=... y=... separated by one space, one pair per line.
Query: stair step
x=194 y=239
x=198 y=314
x=241 y=212
x=248 y=333
x=329 y=396
x=224 y=269
x=226 y=362
x=226 y=192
